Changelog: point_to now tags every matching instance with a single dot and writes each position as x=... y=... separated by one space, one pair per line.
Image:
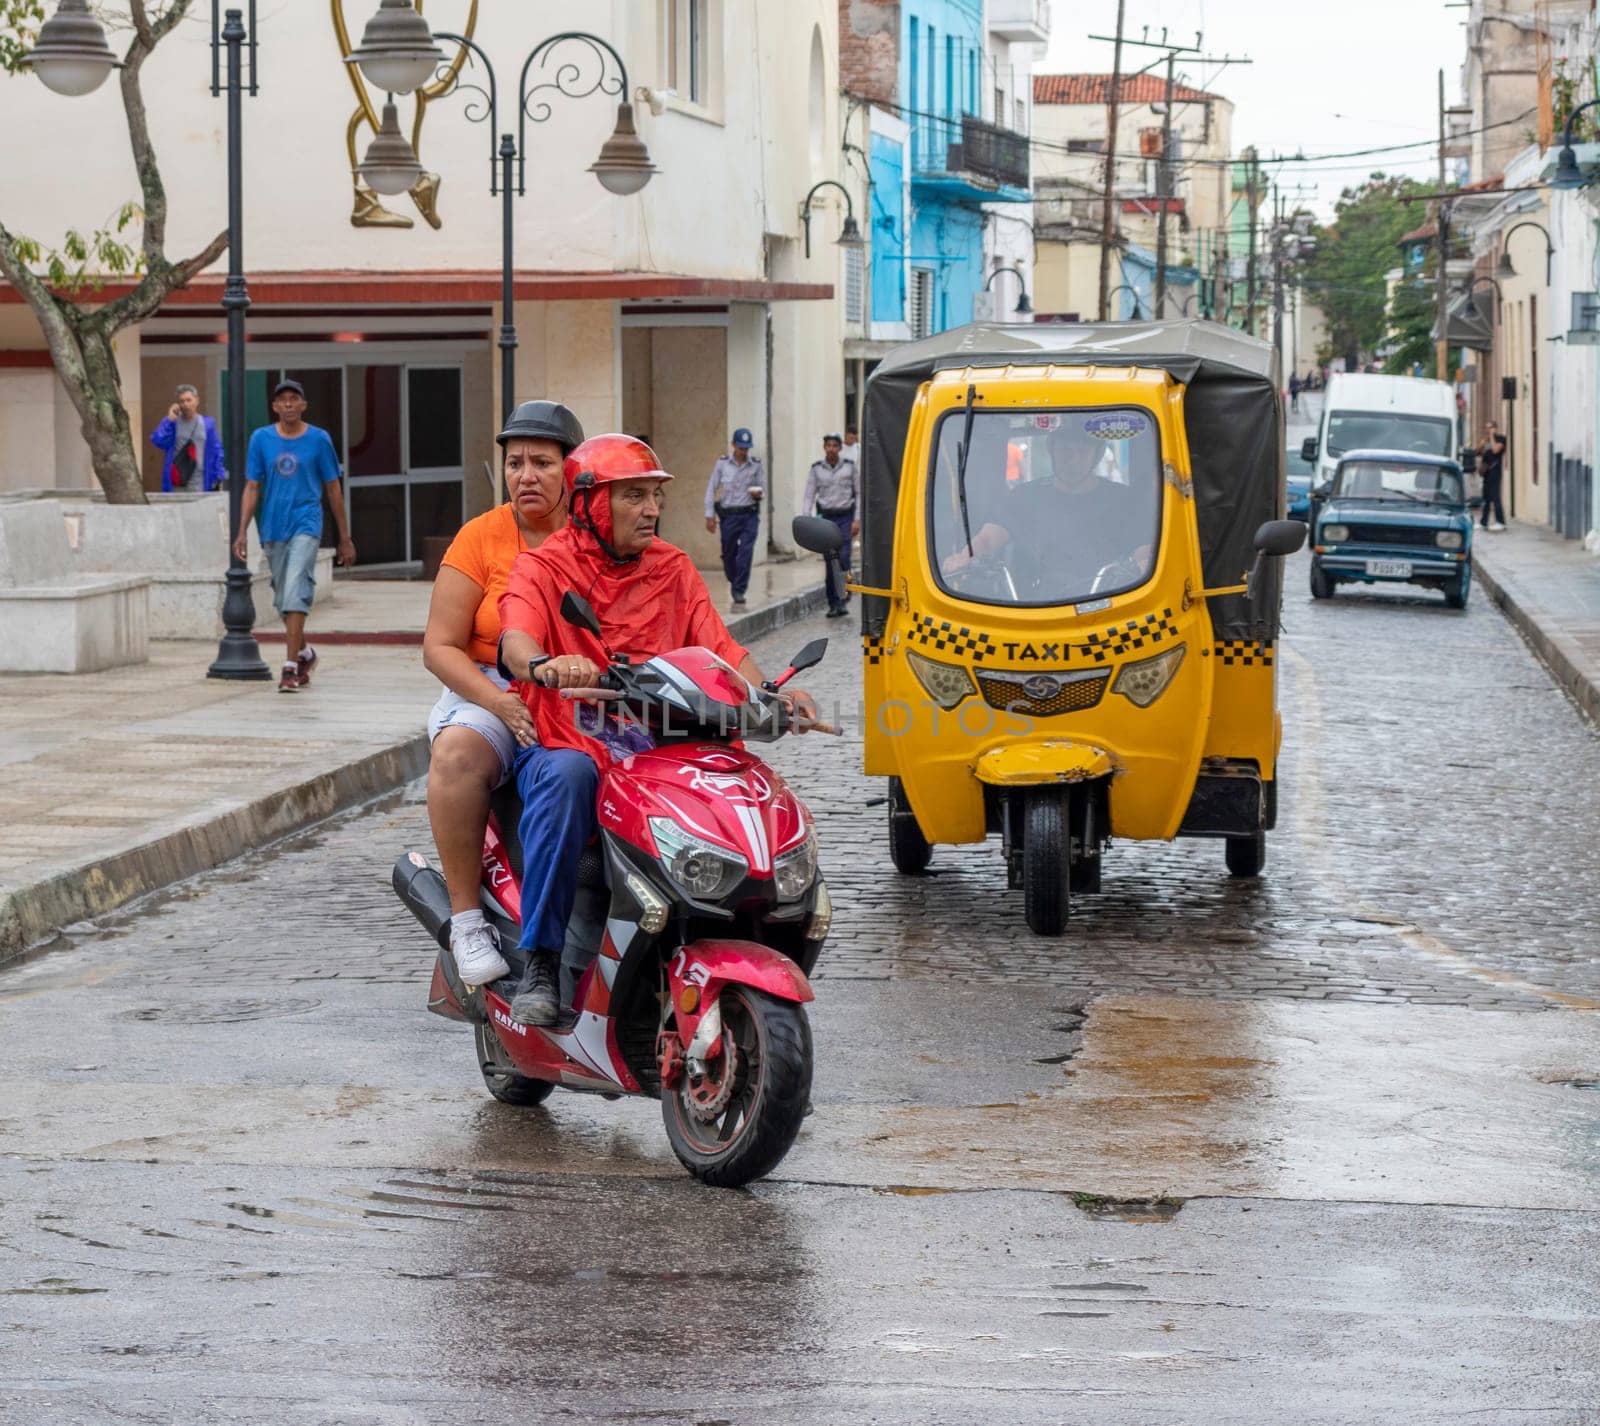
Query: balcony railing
x=1026 y=21
x=971 y=146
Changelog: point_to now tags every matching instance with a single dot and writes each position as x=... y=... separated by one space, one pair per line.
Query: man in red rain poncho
x=649 y=598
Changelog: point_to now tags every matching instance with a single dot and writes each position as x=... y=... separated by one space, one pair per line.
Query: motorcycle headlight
x=1448 y=539
x=796 y=869
x=1143 y=682
x=704 y=870
x=946 y=683
x=821 y=921
x=1335 y=534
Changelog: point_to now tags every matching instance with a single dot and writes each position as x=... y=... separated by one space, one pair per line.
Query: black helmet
x=543 y=421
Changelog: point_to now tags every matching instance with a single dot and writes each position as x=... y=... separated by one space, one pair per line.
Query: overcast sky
x=1326 y=78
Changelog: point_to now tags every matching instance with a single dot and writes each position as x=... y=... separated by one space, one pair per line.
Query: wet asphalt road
x=1324 y=1147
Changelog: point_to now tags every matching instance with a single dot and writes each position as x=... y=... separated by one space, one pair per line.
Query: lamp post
x=849 y=233
x=1024 y=307
x=391 y=55
x=1504 y=268
x=1138 y=311
x=72 y=57
x=1469 y=308
x=1568 y=174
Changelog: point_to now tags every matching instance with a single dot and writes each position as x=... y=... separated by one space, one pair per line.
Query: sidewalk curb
x=1559 y=653
x=30 y=914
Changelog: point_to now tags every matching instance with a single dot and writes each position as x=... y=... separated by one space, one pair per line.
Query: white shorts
x=454 y=711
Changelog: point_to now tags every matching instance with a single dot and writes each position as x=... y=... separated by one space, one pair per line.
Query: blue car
x=1300 y=472
x=1393 y=517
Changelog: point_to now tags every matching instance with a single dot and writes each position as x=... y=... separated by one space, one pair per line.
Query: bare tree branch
x=144 y=153
x=154 y=289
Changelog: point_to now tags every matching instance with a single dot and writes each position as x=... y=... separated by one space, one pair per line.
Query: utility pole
x=1252 y=176
x=1441 y=350
x=1164 y=193
x=1111 y=166
x=1277 y=273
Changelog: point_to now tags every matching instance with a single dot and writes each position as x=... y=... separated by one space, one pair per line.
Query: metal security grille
x=1006 y=692
x=919 y=308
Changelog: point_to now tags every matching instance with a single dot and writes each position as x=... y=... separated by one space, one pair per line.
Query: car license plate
x=1389 y=569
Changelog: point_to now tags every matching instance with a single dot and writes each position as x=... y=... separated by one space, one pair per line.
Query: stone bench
x=55 y=618
x=180 y=543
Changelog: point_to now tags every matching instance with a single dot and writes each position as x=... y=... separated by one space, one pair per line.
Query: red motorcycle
x=700 y=914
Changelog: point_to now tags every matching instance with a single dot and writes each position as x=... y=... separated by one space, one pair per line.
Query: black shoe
x=536 y=1001
x=838 y=612
x=739 y=599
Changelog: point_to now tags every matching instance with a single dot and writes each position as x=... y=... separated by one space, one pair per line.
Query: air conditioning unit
x=1585 y=328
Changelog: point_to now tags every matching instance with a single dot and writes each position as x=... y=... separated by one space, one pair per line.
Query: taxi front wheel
x=1247 y=855
x=909 y=850
x=1046 y=864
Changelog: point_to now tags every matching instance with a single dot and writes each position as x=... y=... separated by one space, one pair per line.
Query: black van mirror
x=1308 y=448
x=821 y=537
x=1469 y=460
x=1280 y=537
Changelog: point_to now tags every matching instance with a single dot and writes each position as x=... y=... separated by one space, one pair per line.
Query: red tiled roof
x=1096 y=89
x=1427 y=230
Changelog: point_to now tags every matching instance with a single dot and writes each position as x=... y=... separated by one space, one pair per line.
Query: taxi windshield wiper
x=962 y=450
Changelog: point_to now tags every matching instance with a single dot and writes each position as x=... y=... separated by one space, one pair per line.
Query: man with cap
x=831 y=488
x=288 y=466
x=733 y=497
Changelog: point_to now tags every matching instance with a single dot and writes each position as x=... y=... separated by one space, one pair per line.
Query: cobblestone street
x=227 y=1106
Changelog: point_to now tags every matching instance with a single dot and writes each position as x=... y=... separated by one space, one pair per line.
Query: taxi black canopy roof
x=1232 y=414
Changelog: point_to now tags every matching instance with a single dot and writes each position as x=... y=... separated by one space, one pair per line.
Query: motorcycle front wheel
x=735 y=1123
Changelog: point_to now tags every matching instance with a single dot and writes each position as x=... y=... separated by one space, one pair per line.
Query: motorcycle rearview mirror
x=821 y=537
x=808 y=657
x=575 y=609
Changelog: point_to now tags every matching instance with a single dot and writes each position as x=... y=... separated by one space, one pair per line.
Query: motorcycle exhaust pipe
x=424 y=894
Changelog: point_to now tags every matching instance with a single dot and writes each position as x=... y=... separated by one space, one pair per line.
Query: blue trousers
x=837 y=594
x=739 y=529
x=558 y=787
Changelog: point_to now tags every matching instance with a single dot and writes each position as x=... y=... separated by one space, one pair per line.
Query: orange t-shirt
x=483 y=550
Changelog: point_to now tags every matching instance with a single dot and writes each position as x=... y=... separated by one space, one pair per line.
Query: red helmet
x=612 y=457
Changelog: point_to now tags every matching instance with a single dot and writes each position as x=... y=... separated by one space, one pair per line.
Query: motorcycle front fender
x=705 y=967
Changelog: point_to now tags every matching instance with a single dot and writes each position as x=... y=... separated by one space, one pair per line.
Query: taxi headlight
x=946 y=683
x=704 y=870
x=1143 y=682
x=1335 y=534
x=796 y=869
x=1448 y=539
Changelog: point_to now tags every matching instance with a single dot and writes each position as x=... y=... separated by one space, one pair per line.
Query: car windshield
x=1388 y=431
x=1398 y=480
x=1059 y=506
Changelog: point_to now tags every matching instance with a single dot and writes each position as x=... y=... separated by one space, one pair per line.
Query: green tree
x=63 y=284
x=1345 y=276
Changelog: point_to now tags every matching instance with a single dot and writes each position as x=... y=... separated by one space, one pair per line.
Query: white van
x=1383 y=413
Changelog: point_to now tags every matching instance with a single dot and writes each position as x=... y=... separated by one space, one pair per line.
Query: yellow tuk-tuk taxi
x=1071 y=595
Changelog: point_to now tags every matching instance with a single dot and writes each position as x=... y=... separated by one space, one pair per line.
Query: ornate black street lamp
x=1504 y=269
x=1568 y=174
x=390 y=55
x=1469 y=308
x=1138 y=310
x=72 y=57
x=849 y=233
x=1023 y=307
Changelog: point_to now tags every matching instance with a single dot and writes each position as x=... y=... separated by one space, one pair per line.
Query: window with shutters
x=920 y=308
x=852 y=284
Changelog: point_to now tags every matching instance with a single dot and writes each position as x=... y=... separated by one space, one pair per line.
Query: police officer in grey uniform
x=733 y=499
x=831 y=487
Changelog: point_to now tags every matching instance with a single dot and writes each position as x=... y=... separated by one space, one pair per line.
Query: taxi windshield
x=1400 y=481
x=1048 y=507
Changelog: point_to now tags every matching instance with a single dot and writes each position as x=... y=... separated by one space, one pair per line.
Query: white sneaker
x=477 y=953
x=1497 y=527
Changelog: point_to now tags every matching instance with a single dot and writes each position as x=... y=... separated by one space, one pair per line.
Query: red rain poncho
x=646 y=606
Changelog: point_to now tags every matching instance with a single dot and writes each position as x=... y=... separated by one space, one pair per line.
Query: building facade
x=677 y=313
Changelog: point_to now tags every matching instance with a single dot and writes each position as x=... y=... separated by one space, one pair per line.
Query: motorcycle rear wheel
x=770 y=1042
x=499 y=1078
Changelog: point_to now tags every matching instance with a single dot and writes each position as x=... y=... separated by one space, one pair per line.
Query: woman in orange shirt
x=478 y=724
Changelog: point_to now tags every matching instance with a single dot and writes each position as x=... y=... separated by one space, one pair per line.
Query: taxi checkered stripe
x=942 y=635
x=1247 y=653
x=1135 y=635
x=872 y=648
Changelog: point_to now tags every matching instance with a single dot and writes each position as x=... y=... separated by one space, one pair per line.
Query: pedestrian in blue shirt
x=288 y=466
x=189 y=443
x=733 y=498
